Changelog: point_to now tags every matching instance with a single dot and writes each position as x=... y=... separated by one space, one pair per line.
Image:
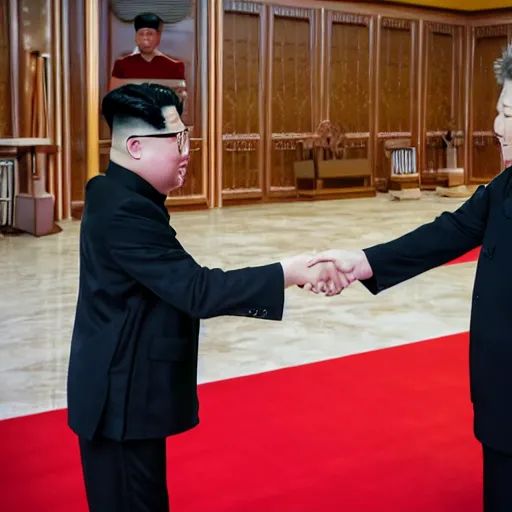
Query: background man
x=149 y=64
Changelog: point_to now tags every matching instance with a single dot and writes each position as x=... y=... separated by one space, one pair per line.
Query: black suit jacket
x=485 y=219
x=133 y=363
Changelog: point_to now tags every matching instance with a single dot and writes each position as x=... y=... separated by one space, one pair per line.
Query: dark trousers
x=497 y=481
x=125 y=476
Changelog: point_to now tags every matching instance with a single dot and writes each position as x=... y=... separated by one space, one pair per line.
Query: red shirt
x=159 y=67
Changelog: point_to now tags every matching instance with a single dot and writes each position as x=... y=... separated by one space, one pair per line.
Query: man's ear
x=134 y=148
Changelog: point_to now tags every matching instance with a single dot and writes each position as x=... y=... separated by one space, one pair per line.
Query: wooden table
x=34 y=208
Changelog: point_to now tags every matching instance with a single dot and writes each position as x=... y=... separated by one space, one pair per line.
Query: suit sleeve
x=146 y=248
x=449 y=236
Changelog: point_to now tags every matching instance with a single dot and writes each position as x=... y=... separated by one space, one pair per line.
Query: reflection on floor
x=38 y=285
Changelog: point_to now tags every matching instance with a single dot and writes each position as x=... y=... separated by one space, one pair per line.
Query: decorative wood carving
x=241 y=145
x=396 y=24
x=441 y=28
x=491 y=31
x=393 y=135
x=350 y=19
x=292 y=12
x=242 y=7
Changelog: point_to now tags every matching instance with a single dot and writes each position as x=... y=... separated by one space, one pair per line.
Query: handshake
x=327 y=272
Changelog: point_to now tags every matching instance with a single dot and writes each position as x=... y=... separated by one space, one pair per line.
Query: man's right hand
x=322 y=277
x=351 y=266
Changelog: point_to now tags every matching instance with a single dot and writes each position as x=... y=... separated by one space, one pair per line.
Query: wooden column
x=92 y=52
x=215 y=34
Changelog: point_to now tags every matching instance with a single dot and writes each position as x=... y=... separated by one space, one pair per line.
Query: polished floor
x=38 y=288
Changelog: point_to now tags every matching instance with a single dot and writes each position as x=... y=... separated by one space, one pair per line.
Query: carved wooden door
x=443 y=98
x=243 y=175
x=488 y=44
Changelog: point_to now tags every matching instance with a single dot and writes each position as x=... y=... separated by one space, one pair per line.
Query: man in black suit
x=485 y=219
x=132 y=378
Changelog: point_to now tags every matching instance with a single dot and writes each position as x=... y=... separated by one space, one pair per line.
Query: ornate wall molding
x=242 y=7
x=484 y=134
x=350 y=19
x=393 y=135
x=240 y=136
x=240 y=145
x=293 y=136
x=285 y=145
x=458 y=133
x=357 y=135
x=292 y=12
x=396 y=24
x=441 y=28
x=491 y=31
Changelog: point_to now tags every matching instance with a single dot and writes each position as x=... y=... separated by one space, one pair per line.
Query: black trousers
x=125 y=476
x=497 y=481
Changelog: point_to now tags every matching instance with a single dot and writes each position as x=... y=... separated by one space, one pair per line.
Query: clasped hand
x=328 y=272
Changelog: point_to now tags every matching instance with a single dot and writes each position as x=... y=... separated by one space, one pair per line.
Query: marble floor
x=38 y=287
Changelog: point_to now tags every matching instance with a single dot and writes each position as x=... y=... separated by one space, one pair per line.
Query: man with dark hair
x=132 y=378
x=149 y=64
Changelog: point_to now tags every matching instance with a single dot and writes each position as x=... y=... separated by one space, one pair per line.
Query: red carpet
x=385 y=431
x=468 y=257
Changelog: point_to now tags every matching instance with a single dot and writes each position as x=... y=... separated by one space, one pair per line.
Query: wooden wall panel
x=349 y=80
x=395 y=77
x=444 y=97
x=488 y=44
x=242 y=170
x=291 y=92
x=5 y=78
x=395 y=89
x=439 y=79
x=381 y=73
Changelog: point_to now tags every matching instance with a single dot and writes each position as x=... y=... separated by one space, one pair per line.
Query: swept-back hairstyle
x=142 y=101
x=503 y=66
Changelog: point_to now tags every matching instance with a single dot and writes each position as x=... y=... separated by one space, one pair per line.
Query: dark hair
x=143 y=101
x=147 y=20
